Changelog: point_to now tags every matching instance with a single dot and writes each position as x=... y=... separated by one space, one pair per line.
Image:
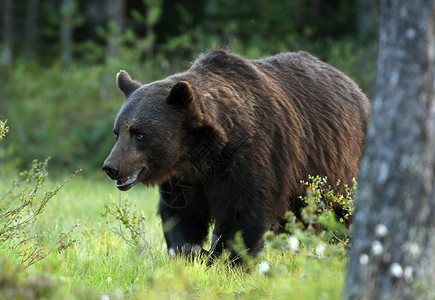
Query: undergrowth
x=111 y=259
x=20 y=208
x=319 y=235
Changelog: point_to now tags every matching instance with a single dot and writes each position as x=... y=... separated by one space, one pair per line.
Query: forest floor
x=100 y=264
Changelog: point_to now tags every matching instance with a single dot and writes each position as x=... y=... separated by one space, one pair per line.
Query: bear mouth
x=128 y=182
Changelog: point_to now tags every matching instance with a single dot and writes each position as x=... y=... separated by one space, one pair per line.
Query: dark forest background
x=58 y=59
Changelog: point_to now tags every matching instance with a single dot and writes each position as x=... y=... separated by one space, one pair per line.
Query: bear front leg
x=225 y=232
x=239 y=204
x=185 y=217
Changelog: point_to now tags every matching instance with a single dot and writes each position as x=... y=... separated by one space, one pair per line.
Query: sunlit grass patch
x=103 y=263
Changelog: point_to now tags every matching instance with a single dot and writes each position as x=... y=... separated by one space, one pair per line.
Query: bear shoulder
x=224 y=63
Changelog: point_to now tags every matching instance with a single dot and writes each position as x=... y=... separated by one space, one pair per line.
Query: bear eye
x=138 y=136
x=116 y=136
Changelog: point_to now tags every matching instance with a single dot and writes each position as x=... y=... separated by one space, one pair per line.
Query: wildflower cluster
x=322 y=197
x=3 y=129
x=129 y=219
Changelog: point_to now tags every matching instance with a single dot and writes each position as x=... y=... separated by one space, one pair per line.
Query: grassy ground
x=103 y=265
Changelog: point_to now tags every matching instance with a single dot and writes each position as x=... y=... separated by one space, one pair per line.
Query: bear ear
x=181 y=95
x=126 y=84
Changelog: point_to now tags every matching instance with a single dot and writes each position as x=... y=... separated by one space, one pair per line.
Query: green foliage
x=129 y=218
x=20 y=207
x=66 y=240
x=103 y=263
x=15 y=283
x=321 y=197
x=67 y=112
x=59 y=113
x=3 y=129
x=320 y=235
x=284 y=24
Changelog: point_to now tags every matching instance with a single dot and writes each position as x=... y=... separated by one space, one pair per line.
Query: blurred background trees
x=58 y=59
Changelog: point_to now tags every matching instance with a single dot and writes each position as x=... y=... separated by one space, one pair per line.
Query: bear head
x=155 y=131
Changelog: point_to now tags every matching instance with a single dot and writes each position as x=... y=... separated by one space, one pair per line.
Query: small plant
x=20 y=207
x=66 y=240
x=3 y=129
x=322 y=197
x=319 y=234
x=130 y=222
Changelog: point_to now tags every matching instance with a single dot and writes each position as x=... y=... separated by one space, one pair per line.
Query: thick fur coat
x=229 y=140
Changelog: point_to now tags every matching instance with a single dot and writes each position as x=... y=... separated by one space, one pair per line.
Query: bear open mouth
x=127 y=183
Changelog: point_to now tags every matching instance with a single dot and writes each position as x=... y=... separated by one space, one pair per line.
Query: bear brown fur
x=229 y=140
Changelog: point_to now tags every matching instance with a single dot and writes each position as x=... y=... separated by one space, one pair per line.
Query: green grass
x=104 y=264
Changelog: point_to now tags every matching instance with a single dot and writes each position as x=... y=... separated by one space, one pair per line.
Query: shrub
x=320 y=234
x=21 y=206
x=3 y=129
x=321 y=196
x=129 y=222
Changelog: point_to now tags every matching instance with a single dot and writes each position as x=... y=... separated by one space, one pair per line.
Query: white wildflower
x=171 y=252
x=408 y=274
x=396 y=270
x=381 y=230
x=294 y=243
x=363 y=259
x=320 y=249
x=377 y=248
x=264 y=267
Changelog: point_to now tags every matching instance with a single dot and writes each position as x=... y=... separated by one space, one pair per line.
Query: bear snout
x=111 y=171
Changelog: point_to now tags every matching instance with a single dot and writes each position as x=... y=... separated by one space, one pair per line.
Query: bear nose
x=111 y=171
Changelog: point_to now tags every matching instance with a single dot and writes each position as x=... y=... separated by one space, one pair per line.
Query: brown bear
x=229 y=140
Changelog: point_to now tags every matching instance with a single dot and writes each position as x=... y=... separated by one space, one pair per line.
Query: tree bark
x=31 y=26
x=393 y=247
x=153 y=13
x=8 y=18
x=116 y=12
x=66 y=32
x=366 y=20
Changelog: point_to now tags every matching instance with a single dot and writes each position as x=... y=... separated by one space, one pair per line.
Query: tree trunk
x=366 y=20
x=393 y=247
x=66 y=37
x=31 y=26
x=8 y=18
x=153 y=13
x=116 y=12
